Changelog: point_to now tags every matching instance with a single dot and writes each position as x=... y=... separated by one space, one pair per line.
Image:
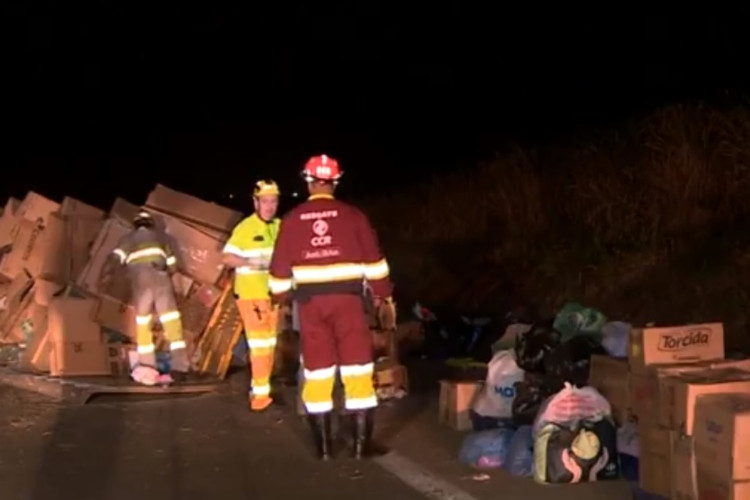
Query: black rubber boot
x=320 y=425
x=364 y=447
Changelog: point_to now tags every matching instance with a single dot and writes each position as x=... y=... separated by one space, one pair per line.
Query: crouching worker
x=150 y=260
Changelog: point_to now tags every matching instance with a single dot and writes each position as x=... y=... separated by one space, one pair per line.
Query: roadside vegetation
x=647 y=221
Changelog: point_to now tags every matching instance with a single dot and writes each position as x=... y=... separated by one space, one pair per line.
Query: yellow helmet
x=266 y=188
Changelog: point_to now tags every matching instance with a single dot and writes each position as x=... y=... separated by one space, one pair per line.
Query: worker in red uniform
x=325 y=252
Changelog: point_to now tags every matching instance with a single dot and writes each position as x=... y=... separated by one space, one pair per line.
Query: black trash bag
x=530 y=394
x=570 y=361
x=586 y=452
x=533 y=346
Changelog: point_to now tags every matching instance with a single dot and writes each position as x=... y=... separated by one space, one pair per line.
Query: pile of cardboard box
x=682 y=393
x=51 y=304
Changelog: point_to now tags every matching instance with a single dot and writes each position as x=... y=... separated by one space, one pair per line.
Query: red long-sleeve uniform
x=327 y=246
x=325 y=251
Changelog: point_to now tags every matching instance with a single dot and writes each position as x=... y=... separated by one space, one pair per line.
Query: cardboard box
x=124 y=211
x=115 y=315
x=36 y=207
x=77 y=347
x=653 y=475
x=667 y=383
x=72 y=207
x=713 y=488
x=683 y=474
x=28 y=250
x=611 y=377
x=109 y=236
x=192 y=209
x=456 y=399
x=198 y=255
x=33 y=325
x=81 y=233
x=677 y=344
x=118 y=357
x=56 y=251
x=690 y=386
x=722 y=435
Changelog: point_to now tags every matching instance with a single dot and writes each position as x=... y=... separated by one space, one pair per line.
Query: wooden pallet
x=220 y=336
x=80 y=390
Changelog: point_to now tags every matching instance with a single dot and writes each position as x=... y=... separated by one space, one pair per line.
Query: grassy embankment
x=648 y=221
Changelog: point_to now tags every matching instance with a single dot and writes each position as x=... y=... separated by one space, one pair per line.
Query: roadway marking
x=420 y=479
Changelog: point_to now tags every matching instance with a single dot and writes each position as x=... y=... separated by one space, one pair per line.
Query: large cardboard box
x=456 y=399
x=109 y=236
x=722 y=435
x=77 y=347
x=683 y=474
x=667 y=384
x=193 y=210
x=653 y=473
x=36 y=207
x=611 y=377
x=677 y=344
x=198 y=255
x=33 y=325
x=27 y=252
x=711 y=487
x=690 y=386
x=115 y=315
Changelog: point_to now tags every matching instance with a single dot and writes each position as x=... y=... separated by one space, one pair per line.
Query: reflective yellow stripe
x=261 y=390
x=146 y=252
x=321 y=374
x=120 y=255
x=377 y=270
x=361 y=403
x=143 y=320
x=319 y=407
x=328 y=273
x=177 y=344
x=169 y=316
x=356 y=370
x=171 y=260
x=244 y=270
x=252 y=253
x=279 y=285
x=261 y=343
x=146 y=349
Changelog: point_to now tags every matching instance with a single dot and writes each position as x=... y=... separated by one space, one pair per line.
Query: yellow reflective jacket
x=253 y=238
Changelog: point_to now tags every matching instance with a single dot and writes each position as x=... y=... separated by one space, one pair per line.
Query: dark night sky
x=107 y=99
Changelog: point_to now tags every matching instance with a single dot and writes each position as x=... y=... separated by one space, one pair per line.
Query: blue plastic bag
x=486 y=449
x=615 y=337
x=520 y=458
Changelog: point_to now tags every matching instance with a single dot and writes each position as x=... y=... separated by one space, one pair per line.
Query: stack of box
x=721 y=436
x=52 y=302
x=668 y=370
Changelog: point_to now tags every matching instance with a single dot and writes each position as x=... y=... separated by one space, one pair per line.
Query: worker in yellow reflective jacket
x=248 y=251
x=150 y=260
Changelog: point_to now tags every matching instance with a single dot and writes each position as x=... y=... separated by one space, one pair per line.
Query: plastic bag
x=530 y=394
x=582 y=452
x=627 y=439
x=532 y=346
x=575 y=319
x=569 y=362
x=615 y=338
x=570 y=405
x=486 y=449
x=496 y=398
x=520 y=459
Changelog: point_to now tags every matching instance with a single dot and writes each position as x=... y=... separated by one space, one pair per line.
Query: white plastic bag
x=572 y=404
x=496 y=399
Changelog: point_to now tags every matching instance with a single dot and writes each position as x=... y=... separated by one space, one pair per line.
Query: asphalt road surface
x=212 y=447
